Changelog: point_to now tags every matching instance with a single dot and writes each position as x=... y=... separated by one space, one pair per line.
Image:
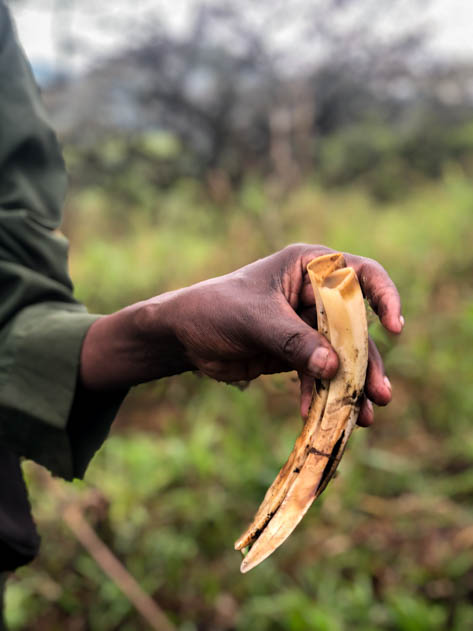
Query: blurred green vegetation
x=390 y=544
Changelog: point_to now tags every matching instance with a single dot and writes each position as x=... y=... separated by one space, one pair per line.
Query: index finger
x=379 y=290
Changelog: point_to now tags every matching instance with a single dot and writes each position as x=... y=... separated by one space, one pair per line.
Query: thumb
x=298 y=344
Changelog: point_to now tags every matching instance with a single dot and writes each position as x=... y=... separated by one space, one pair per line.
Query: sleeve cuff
x=44 y=414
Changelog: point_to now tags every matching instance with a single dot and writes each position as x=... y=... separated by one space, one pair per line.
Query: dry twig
x=104 y=557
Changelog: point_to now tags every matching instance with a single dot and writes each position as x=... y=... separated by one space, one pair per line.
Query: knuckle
x=293 y=250
x=293 y=345
x=303 y=251
x=295 y=247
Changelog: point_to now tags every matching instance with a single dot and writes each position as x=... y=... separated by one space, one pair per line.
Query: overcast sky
x=452 y=21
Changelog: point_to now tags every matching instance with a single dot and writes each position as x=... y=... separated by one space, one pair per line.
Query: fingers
x=377 y=388
x=384 y=298
x=299 y=345
x=380 y=291
x=366 y=415
x=376 y=284
x=377 y=385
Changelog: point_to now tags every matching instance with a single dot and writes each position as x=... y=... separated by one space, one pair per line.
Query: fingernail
x=402 y=321
x=388 y=385
x=318 y=360
x=369 y=405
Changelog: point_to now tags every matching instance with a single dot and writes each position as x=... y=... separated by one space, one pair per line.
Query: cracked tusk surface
x=341 y=317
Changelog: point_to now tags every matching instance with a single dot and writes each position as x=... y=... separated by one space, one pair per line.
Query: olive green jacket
x=44 y=415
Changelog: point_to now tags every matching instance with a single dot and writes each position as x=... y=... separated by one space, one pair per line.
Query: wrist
x=155 y=323
x=133 y=345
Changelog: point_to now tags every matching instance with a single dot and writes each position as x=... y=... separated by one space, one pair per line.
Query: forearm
x=133 y=345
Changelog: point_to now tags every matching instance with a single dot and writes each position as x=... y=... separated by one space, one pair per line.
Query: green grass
x=389 y=546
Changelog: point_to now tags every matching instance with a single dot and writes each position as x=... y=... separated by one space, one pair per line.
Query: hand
x=259 y=320
x=256 y=320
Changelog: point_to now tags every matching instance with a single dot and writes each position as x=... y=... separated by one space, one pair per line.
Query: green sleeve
x=44 y=415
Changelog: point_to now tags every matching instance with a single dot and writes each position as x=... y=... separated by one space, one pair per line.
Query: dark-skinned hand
x=256 y=320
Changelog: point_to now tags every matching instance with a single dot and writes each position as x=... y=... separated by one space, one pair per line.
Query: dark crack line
x=313 y=450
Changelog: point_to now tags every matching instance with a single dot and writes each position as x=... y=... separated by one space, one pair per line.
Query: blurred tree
x=246 y=87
